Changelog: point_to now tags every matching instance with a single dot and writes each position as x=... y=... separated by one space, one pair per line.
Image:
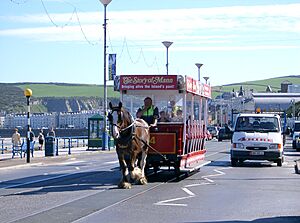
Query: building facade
x=48 y=120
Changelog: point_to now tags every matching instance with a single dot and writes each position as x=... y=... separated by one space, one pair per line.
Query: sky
x=62 y=40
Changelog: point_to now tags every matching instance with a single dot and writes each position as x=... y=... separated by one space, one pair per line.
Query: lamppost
x=206 y=79
x=167 y=44
x=199 y=65
x=28 y=94
x=104 y=135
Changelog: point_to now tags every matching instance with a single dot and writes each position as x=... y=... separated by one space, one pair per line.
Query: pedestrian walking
x=51 y=132
x=41 y=139
x=16 y=138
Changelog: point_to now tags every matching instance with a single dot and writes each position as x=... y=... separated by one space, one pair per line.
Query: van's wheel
x=279 y=162
x=234 y=162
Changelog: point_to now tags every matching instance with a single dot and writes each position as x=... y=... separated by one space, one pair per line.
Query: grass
x=257 y=86
x=80 y=90
x=67 y=90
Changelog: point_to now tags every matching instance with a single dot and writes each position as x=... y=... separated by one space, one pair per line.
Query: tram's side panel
x=167 y=142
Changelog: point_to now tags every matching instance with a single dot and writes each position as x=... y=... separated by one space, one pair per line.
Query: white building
x=38 y=120
x=76 y=120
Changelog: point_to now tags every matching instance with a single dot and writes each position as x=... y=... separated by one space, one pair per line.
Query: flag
x=112 y=58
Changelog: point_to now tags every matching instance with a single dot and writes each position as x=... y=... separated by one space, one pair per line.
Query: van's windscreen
x=257 y=124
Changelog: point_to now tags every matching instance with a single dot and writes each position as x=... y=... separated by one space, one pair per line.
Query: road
x=83 y=189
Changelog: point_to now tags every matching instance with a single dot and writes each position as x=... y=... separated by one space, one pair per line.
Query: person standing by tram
x=148 y=112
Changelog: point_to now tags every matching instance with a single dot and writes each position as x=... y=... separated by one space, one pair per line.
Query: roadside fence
x=62 y=144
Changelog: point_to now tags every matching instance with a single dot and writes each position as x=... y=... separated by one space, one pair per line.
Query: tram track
x=96 y=195
x=55 y=177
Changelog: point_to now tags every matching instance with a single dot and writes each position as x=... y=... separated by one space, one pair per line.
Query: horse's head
x=119 y=119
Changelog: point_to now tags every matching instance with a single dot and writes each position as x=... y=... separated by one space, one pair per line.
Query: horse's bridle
x=110 y=117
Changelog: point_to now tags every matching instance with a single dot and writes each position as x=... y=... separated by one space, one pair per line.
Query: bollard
x=70 y=146
x=77 y=142
x=56 y=146
x=64 y=142
x=2 y=146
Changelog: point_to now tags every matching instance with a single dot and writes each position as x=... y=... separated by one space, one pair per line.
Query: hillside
x=53 y=97
x=62 y=97
x=257 y=86
x=63 y=90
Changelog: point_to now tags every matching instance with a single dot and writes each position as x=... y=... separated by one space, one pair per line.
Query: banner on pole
x=112 y=58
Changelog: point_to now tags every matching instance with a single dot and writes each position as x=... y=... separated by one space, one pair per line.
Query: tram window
x=196 y=110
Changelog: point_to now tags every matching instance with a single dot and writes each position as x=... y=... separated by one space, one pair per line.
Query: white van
x=257 y=137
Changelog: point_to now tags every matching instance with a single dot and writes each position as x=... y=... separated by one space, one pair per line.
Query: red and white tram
x=179 y=142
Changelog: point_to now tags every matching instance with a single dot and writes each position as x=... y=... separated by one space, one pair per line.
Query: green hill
x=51 y=97
x=55 y=95
x=63 y=90
x=257 y=86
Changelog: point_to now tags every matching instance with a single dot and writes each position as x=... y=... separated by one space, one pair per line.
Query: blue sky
x=62 y=41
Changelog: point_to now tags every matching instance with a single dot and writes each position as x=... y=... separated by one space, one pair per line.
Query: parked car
x=224 y=133
x=296 y=135
x=213 y=131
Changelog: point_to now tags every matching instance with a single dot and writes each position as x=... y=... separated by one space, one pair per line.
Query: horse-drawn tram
x=178 y=138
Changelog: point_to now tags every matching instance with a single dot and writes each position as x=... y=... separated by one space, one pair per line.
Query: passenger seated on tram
x=178 y=117
x=148 y=112
x=163 y=117
x=173 y=108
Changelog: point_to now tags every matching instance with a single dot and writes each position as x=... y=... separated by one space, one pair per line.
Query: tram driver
x=148 y=112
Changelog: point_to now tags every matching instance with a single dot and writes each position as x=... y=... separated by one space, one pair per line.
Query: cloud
x=203 y=25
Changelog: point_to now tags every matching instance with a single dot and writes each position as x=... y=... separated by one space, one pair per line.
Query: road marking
x=190 y=193
x=209 y=180
x=112 y=162
x=196 y=185
x=166 y=202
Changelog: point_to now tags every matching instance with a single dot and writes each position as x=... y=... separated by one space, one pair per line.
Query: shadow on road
x=41 y=184
x=283 y=219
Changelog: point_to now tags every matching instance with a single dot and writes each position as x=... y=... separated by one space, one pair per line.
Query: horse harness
x=125 y=140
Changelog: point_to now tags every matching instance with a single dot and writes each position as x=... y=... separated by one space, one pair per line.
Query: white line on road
x=191 y=194
x=112 y=162
x=188 y=191
x=166 y=202
x=196 y=185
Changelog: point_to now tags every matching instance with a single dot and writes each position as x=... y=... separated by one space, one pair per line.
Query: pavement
x=6 y=160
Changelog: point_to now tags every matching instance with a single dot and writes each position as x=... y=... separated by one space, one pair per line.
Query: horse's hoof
x=143 y=181
x=124 y=185
x=136 y=174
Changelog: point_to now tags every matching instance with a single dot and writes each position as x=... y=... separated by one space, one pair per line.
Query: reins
x=133 y=124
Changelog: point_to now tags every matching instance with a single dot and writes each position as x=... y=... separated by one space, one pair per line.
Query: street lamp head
x=167 y=43
x=206 y=78
x=105 y=2
x=28 y=92
x=199 y=65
